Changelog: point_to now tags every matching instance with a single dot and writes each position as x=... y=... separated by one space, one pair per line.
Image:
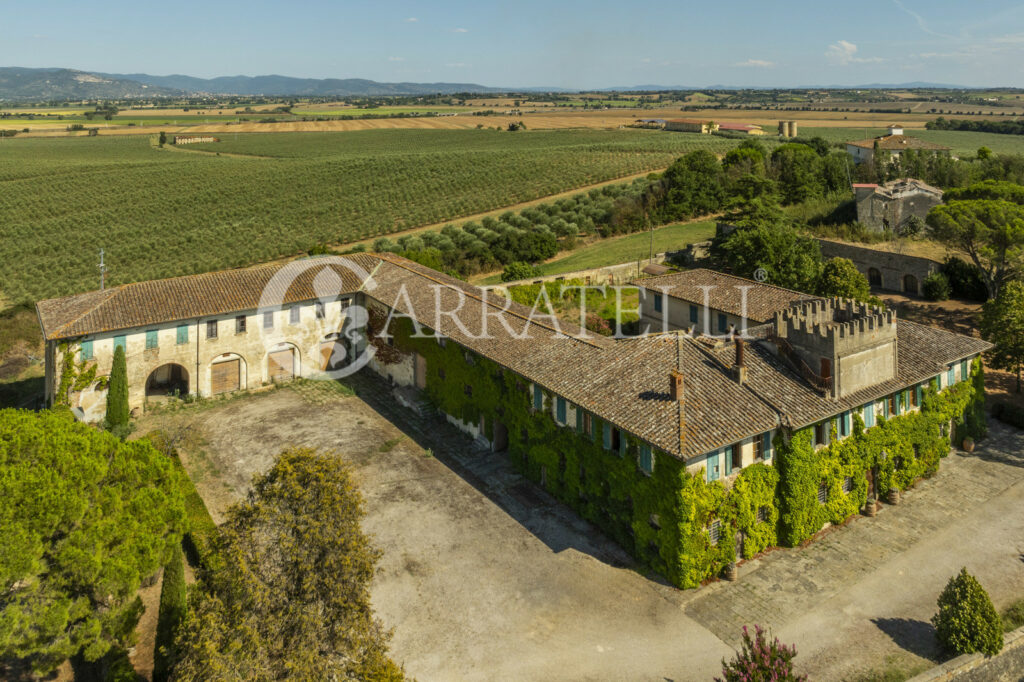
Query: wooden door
x=280 y=365
x=225 y=376
x=327 y=355
x=421 y=371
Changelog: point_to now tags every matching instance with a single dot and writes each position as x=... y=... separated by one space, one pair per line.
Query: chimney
x=676 y=385
x=740 y=368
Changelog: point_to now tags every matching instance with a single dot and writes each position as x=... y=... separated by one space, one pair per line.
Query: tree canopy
x=840 y=277
x=693 y=185
x=788 y=258
x=86 y=518
x=1002 y=323
x=989 y=231
x=291 y=600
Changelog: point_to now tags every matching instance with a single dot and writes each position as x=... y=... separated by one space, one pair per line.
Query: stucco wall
x=892 y=267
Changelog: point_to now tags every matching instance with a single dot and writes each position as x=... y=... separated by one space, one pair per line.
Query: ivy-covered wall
x=664 y=518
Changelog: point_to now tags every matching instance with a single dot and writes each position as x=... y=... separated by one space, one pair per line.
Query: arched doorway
x=169 y=379
x=227 y=373
x=910 y=284
x=282 y=364
x=874 y=277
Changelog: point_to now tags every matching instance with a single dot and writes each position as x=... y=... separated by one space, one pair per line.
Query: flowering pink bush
x=598 y=324
x=761 y=661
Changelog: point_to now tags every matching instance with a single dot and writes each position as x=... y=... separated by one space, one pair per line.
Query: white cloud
x=758 y=63
x=921 y=22
x=646 y=60
x=396 y=59
x=456 y=65
x=411 y=20
x=844 y=52
x=460 y=30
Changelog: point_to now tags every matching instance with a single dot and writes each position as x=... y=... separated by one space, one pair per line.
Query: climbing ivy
x=73 y=376
x=664 y=518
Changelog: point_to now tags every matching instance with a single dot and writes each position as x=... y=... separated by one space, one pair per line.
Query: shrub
x=840 y=277
x=1008 y=413
x=517 y=271
x=1013 y=617
x=967 y=621
x=760 y=659
x=965 y=279
x=936 y=287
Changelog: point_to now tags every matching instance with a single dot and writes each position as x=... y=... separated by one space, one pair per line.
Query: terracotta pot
x=730 y=572
x=870 y=508
x=968 y=445
x=894 y=496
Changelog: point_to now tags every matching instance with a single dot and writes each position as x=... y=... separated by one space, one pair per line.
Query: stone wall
x=891 y=270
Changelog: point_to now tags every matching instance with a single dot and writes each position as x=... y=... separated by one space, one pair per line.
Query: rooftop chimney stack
x=676 y=385
x=740 y=368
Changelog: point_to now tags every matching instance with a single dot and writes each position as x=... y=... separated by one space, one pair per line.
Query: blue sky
x=534 y=42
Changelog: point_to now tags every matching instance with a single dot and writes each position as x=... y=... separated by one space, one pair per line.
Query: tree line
x=1015 y=127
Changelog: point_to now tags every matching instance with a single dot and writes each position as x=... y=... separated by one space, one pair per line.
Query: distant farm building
x=892 y=205
x=787 y=129
x=191 y=139
x=895 y=143
x=656 y=123
x=690 y=125
x=745 y=128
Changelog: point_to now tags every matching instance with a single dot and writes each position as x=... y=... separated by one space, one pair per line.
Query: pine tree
x=117 y=392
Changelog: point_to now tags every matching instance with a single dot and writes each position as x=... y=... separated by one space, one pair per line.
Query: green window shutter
x=646 y=458
x=767 y=447
x=623 y=444
x=728 y=460
x=560 y=410
x=607 y=433
x=693 y=314
x=182 y=334
x=920 y=394
x=579 y=419
x=723 y=323
x=963 y=370
x=712 y=468
x=152 y=338
x=86 y=351
x=121 y=341
x=538 y=398
x=951 y=376
x=869 y=414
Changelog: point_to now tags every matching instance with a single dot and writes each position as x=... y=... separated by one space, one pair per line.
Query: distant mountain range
x=18 y=83
x=24 y=84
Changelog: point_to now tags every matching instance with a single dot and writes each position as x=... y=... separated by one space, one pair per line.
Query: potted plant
x=968 y=445
x=893 y=497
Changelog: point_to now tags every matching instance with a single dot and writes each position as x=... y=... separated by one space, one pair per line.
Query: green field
x=161 y=213
x=625 y=249
x=379 y=111
x=961 y=142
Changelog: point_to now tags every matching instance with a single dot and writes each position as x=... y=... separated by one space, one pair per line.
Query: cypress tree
x=117 y=392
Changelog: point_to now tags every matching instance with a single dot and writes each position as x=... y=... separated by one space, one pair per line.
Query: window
x=588 y=424
x=319 y=307
x=869 y=414
x=86 y=350
x=915 y=396
x=951 y=376
x=819 y=433
x=152 y=339
x=713 y=471
x=693 y=314
x=617 y=440
x=121 y=341
x=723 y=323
x=758 y=448
x=847 y=484
x=646 y=458
x=293 y=315
x=211 y=329
x=441 y=341
x=963 y=370
x=826 y=368
x=657 y=304
x=762 y=514
x=766 y=448
x=182 y=334
x=538 y=398
x=822 y=492
x=715 y=531
x=240 y=324
x=732 y=459
x=607 y=436
x=844 y=424
x=560 y=410
x=268 y=319
x=893 y=406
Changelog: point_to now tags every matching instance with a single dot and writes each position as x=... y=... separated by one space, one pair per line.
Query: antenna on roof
x=103 y=271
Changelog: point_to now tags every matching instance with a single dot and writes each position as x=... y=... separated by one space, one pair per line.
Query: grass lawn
x=625 y=249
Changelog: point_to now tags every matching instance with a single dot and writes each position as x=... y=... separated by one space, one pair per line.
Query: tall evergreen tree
x=117 y=392
x=1002 y=323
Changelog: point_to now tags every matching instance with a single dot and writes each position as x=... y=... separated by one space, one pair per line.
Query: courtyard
x=484 y=576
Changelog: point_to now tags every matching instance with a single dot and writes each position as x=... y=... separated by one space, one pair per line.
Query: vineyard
x=162 y=213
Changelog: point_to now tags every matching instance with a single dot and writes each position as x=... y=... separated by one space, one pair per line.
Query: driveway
x=486 y=577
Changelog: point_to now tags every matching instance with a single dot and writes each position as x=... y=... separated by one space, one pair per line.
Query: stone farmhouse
x=893 y=204
x=894 y=142
x=692 y=451
x=691 y=125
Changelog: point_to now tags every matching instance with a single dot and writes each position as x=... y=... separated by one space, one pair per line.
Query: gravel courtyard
x=485 y=577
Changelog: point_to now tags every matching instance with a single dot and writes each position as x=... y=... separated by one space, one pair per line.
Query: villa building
x=894 y=143
x=668 y=442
